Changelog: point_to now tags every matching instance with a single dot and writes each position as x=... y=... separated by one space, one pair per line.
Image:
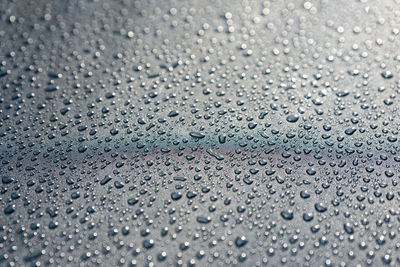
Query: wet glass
x=199 y=133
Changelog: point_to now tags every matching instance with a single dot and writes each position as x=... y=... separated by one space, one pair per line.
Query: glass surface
x=207 y=133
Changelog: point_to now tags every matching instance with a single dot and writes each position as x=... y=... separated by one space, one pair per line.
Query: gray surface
x=305 y=95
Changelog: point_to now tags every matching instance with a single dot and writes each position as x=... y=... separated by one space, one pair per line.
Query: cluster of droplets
x=151 y=134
